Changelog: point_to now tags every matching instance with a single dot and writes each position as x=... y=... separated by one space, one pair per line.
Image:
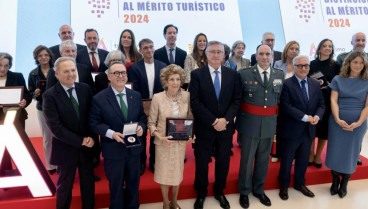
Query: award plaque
x=179 y=128
x=42 y=85
x=146 y=106
x=320 y=78
x=11 y=95
x=130 y=136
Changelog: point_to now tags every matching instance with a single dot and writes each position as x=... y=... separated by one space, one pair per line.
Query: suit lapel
x=257 y=76
x=164 y=53
x=111 y=98
x=131 y=104
x=298 y=89
x=65 y=98
x=310 y=95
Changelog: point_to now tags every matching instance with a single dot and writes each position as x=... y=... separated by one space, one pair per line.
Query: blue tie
x=171 y=56
x=304 y=90
x=216 y=84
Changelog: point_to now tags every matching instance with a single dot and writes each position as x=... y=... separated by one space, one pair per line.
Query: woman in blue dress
x=347 y=123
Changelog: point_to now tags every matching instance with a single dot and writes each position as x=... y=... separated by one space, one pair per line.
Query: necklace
x=175 y=98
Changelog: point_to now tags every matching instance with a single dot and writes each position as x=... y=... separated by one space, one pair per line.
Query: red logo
x=99 y=6
x=305 y=8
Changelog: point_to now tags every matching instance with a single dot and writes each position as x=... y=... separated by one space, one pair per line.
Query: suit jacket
x=293 y=107
x=254 y=92
x=83 y=57
x=101 y=82
x=137 y=74
x=17 y=79
x=68 y=131
x=204 y=104
x=180 y=55
x=276 y=56
x=106 y=114
x=56 y=50
x=84 y=76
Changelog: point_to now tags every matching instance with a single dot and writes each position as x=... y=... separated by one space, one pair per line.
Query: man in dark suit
x=113 y=108
x=66 y=107
x=269 y=40
x=69 y=49
x=92 y=56
x=65 y=33
x=170 y=53
x=256 y=124
x=301 y=107
x=145 y=76
x=214 y=99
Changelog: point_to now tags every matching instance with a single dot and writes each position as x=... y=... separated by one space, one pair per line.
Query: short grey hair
x=215 y=43
x=114 y=63
x=67 y=43
x=267 y=33
x=233 y=47
x=4 y=55
x=115 y=56
x=63 y=59
x=297 y=58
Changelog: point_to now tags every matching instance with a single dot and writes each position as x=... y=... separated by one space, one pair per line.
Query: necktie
x=123 y=106
x=94 y=62
x=304 y=90
x=171 y=56
x=74 y=102
x=216 y=84
x=265 y=80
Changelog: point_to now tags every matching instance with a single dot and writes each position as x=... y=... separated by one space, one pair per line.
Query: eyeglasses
x=121 y=73
x=302 y=66
x=215 y=52
x=147 y=48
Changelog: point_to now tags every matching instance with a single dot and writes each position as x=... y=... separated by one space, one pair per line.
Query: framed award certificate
x=11 y=95
x=179 y=128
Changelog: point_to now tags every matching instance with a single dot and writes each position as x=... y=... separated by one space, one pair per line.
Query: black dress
x=329 y=70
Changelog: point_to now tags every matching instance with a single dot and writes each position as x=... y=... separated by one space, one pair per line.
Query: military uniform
x=256 y=124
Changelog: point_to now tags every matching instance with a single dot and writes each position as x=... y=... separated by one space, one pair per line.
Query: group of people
x=273 y=93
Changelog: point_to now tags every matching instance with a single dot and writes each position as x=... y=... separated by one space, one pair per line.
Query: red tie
x=94 y=62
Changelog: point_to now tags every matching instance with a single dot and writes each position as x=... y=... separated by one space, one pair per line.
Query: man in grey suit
x=256 y=123
x=268 y=39
x=358 y=42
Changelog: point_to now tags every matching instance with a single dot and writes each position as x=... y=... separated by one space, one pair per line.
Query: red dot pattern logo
x=306 y=9
x=99 y=7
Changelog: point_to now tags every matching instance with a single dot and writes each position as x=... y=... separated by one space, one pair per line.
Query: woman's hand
x=37 y=92
x=352 y=126
x=22 y=103
x=166 y=139
x=343 y=124
x=192 y=140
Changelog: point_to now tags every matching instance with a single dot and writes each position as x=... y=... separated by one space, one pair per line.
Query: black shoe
x=343 y=185
x=52 y=171
x=244 y=201
x=185 y=159
x=335 y=182
x=198 y=204
x=263 y=199
x=303 y=189
x=96 y=178
x=231 y=153
x=152 y=167
x=310 y=163
x=223 y=201
x=317 y=165
x=143 y=168
x=359 y=162
x=284 y=193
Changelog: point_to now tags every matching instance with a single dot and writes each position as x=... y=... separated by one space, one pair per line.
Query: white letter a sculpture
x=32 y=172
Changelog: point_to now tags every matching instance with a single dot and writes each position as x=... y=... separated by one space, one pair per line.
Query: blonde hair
x=345 y=69
x=171 y=70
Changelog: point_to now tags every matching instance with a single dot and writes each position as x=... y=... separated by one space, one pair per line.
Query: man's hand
x=220 y=124
x=118 y=137
x=88 y=142
x=315 y=120
x=139 y=131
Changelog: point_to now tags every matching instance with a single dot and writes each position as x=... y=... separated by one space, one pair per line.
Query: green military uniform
x=257 y=131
